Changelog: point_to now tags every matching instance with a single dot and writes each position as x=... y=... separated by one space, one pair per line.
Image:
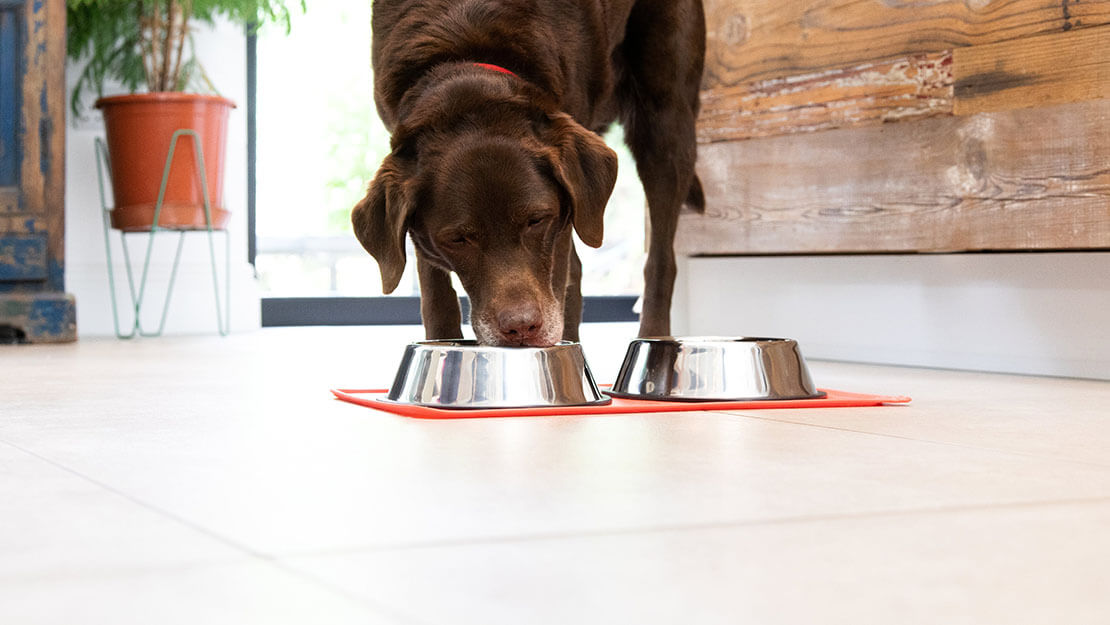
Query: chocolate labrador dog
x=494 y=108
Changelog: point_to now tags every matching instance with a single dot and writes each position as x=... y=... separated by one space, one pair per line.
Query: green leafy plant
x=147 y=43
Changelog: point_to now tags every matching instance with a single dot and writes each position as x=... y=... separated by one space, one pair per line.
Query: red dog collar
x=496 y=68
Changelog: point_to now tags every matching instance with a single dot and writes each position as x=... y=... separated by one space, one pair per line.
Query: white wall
x=223 y=53
x=1043 y=313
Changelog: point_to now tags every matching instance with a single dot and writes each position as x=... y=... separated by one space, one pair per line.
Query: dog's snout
x=521 y=324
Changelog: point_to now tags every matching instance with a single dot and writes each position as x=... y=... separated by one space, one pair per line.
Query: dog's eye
x=456 y=239
x=537 y=220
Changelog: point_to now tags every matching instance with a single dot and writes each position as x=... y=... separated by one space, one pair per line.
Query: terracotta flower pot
x=140 y=128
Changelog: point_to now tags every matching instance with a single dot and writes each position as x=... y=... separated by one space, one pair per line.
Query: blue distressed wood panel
x=32 y=173
x=23 y=257
x=11 y=52
x=40 y=318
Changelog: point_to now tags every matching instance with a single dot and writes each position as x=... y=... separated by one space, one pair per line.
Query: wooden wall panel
x=1050 y=69
x=1019 y=179
x=842 y=126
x=752 y=40
x=1070 y=66
x=899 y=90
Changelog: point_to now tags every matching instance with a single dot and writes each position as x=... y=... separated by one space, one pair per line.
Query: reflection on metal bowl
x=464 y=374
x=714 y=369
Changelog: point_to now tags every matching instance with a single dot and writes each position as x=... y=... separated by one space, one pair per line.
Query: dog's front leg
x=439 y=304
x=572 y=305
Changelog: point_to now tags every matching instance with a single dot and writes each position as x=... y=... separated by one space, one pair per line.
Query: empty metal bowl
x=464 y=374
x=714 y=369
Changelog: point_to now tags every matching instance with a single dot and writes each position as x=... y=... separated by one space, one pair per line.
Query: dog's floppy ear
x=587 y=170
x=381 y=220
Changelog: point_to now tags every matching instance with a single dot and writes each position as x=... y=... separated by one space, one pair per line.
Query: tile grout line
x=115 y=491
x=270 y=560
x=1010 y=452
x=692 y=527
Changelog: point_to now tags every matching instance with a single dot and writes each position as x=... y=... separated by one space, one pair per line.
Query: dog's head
x=493 y=196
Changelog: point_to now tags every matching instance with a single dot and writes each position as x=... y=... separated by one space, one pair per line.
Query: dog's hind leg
x=663 y=55
x=666 y=185
x=439 y=304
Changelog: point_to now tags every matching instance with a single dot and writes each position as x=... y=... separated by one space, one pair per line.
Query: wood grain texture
x=21 y=224
x=1022 y=179
x=751 y=40
x=1050 y=69
x=898 y=90
x=32 y=231
x=9 y=200
x=53 y=101
x=35 y=79
x=42 y=178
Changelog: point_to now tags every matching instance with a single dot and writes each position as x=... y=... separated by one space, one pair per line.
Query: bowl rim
x=473 y=344
x=709 y=399
x=604 y=400
x=711 y=339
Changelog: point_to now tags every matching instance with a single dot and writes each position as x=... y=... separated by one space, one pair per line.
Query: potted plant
x=147 y=43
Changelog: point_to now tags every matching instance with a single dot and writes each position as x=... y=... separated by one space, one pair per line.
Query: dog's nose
x=520 y=324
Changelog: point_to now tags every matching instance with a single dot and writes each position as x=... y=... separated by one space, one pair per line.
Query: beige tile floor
x=207 y=480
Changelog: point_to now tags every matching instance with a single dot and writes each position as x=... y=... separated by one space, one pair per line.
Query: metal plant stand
x=223 y=315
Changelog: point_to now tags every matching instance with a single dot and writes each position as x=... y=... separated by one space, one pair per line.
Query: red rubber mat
x=834 y=399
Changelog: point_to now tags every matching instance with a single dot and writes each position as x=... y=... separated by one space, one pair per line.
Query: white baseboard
x=1041 y=314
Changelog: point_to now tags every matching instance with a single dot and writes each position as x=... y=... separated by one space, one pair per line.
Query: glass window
x=319 y=142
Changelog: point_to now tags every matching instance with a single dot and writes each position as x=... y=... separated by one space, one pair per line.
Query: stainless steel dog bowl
x=714 y=369
x=463 y=374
